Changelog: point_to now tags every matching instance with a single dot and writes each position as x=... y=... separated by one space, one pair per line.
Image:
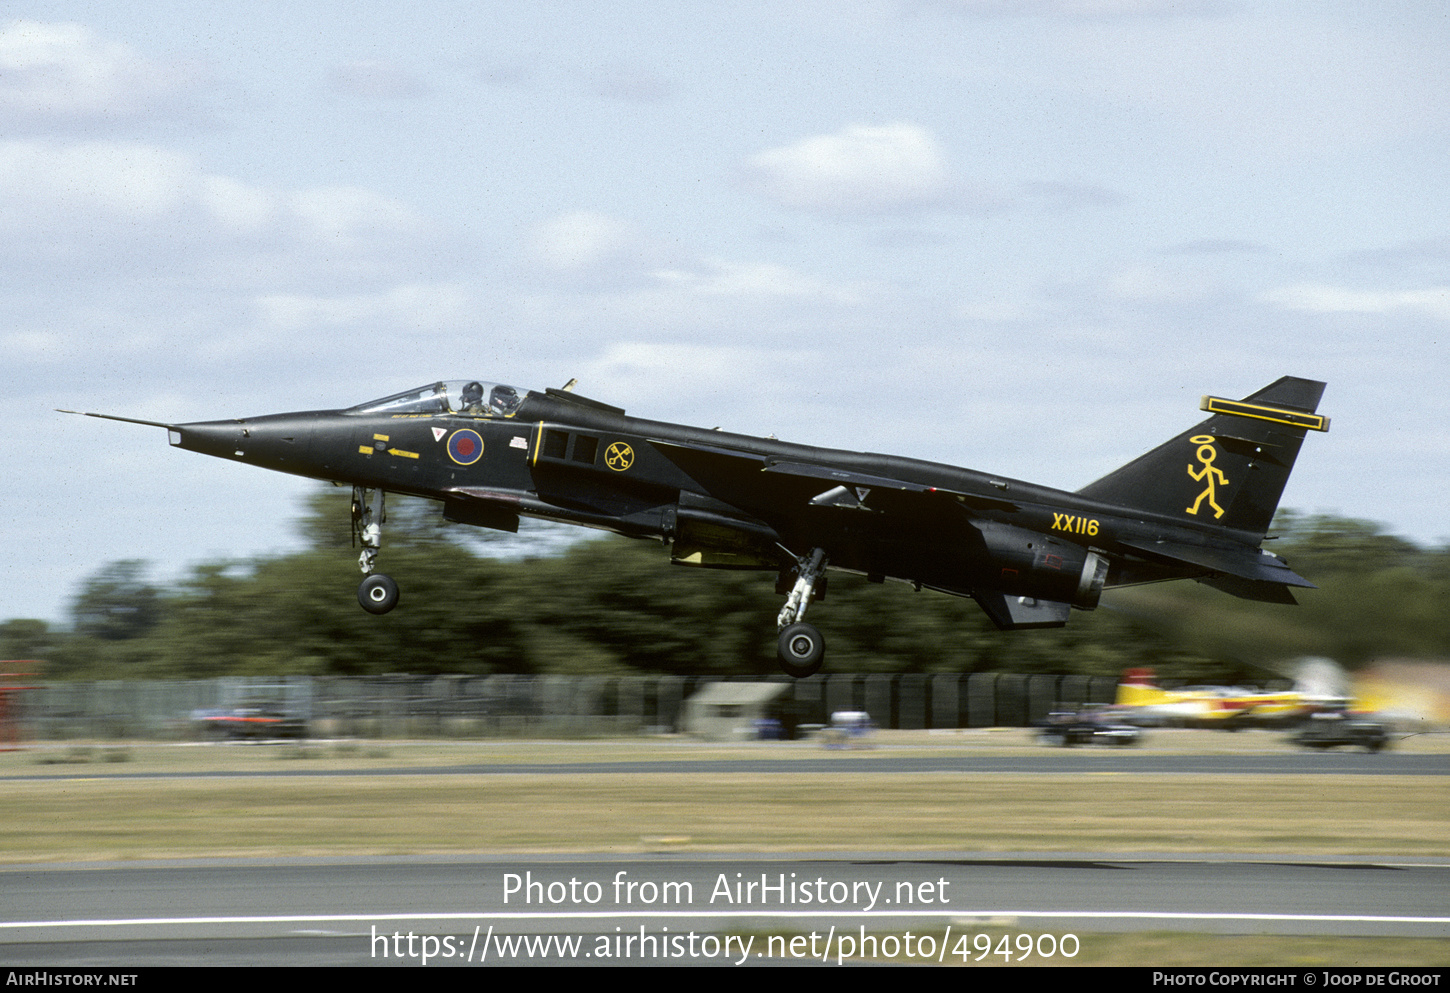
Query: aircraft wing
x=717 y=452
x=842 y=476
x=859 y=483
x=866 y=481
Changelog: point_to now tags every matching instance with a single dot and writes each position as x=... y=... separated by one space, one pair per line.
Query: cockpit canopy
x=456 y=396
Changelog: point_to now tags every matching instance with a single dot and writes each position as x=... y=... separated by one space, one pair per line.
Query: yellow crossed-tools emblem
x=619 y=456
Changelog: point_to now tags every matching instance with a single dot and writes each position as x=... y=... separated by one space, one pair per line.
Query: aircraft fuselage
x=1195 y=507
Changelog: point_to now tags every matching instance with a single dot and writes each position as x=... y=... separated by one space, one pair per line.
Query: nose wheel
x=377 y=594
x=801 y=648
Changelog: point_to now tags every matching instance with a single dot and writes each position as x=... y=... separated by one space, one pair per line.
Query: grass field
x=83 y=809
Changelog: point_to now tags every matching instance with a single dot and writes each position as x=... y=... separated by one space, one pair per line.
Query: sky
x=1023 y=236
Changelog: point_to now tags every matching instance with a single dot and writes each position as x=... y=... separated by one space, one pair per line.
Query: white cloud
x=863 y=169
x=33 y=346
x=592 y=252
x=741 y=387
x=636 y=362
x=116 y=179
x=59 y=75
x=80 y=209
x=580 y=241
x=349 y=214
x=602 y=254
x=1318 y=298
x=44 y=184
x=236 y=205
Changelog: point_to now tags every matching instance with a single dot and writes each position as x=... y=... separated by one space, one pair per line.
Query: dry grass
x=86 y=806
x=113 y=818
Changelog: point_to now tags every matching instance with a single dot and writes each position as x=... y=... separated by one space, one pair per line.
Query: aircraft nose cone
x=277 y=441
x=220 y=438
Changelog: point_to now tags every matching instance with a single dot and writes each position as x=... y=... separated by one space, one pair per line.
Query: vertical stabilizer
x=1229 y=470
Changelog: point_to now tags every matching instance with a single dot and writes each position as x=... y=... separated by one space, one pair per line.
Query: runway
x=578 y=908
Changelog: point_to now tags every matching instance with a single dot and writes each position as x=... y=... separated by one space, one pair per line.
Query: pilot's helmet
x=504 y=399
x=472 y=395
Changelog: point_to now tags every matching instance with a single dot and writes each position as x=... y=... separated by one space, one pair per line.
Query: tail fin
x=1229 y=470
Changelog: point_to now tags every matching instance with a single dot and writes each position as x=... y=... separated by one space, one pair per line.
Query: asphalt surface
x=363 y=911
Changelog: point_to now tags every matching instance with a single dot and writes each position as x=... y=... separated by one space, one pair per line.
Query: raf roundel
x=465 y=446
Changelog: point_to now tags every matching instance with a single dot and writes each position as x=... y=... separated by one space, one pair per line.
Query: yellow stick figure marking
x=1206 y=474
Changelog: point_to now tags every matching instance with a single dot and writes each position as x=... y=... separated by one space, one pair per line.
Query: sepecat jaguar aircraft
x=1196 y=507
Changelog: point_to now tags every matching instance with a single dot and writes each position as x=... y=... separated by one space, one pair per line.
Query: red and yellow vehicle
x=1227 y=707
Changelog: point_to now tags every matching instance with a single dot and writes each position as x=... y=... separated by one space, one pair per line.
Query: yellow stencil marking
x=1074 y=525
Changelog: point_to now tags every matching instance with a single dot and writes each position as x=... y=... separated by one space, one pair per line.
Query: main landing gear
x=802 y=650
x=378 y=594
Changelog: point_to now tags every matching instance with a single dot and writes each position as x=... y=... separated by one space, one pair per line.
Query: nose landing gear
x=801 y=648
x=377 y=594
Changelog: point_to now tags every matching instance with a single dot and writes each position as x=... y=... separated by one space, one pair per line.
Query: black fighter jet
x=1196 y=507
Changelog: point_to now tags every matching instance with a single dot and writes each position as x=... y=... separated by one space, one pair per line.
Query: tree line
x=609 y=605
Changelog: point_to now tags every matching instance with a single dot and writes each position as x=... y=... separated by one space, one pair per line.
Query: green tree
x=1325 y=543
x=117 y=603
x=27 y=639
x=613 y=605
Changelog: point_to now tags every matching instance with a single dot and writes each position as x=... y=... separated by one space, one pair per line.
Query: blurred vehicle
x=249 y=724
x=769 y=729
x=1092 y=724
x=1333 y=728
x=849 y=729
x=1228 y=708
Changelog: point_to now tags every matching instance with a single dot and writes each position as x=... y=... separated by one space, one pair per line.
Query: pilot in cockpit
x=504 y=400
x=472 y=399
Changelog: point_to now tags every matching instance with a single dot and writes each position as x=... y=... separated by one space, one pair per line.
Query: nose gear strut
x=377 y=594
x=801 y=649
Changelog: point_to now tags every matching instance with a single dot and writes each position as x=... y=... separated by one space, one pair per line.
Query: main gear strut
x=801 y=649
